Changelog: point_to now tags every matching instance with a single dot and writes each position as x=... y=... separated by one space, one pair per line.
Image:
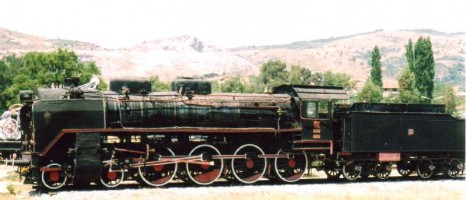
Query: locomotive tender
x=80 y=136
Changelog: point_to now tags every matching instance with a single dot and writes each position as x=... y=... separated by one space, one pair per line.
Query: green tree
x=449 y=99
x=299 y=75
x=406 y=88
x=376 y=67
x=40 y=69
x=333 y=79
x=370 y=93
x=410 y=55
x=422 y=64
x=273 y=73
x=158 y=85
x=234 y=85
x=215 y=86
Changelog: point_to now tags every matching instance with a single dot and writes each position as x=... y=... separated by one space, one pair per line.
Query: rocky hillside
x=189 y=56
x=351 y=54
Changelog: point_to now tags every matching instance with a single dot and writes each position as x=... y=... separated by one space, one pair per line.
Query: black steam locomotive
x=79 y=136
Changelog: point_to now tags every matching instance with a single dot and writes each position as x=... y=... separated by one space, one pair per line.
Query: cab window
x=310 y=109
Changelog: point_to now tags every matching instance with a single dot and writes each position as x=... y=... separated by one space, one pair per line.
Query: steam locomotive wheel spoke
x=251 y=168
x=203 y=174
x=111 y=175
x=425 y=168
x=54 y=180
x=455 y=168
x=331 y=169
x=383 y=170
x=352 y=171
x=404 y=168
x=291 y=169
x=158 y=175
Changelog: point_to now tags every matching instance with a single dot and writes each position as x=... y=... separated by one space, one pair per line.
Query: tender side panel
x=403 y=132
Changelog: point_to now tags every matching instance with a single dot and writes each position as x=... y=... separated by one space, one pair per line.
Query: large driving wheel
x=290 y=169
x=383 y=170
x=250 y=168
x=425 y=168
x=111 y=174
x=404 y=168
x=455 y=168
x=158 y=175
x=53 y=176
x=352 y=171
x=202 y=173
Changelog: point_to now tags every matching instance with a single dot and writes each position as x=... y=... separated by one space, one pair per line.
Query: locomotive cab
x=316 y=105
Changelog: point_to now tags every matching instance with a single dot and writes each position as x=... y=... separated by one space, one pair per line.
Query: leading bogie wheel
x=250 y=168
x=290 y=169
x=111 y=174
x=158 y=175
x=352 y=171
x=53 y=176
x=204 y=173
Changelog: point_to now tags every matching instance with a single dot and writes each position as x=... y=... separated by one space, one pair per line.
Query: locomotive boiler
x=79 y=135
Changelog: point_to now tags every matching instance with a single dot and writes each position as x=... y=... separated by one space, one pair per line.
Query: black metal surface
x=307 y=92
x=201 y=111
x=197 y=86
x=369 y=131
x=87 y=168
x=135 y=86
x=51 y=116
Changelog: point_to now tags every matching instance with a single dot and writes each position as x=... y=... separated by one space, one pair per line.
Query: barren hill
x=351 y=54
x=189 y=56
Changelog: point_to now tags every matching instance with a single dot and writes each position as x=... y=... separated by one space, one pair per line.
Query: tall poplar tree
x=424 y=67
x=421 y=63
x=376 y=67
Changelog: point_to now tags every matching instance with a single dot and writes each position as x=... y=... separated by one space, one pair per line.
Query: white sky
x=225 y=23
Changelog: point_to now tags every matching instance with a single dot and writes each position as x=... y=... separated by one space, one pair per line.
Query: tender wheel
x=455 y=168
x=250 y=168
x=331 y=169
x=111 y=174
x=290 y=169
x=352 y=171
x=425 y=168
x=404 y=168
x=368 y=169
x=54 y=176
x=203 y=174
x=158 y=175
x=383 y=170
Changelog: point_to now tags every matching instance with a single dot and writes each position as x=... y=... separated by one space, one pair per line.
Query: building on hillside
x=390 y=88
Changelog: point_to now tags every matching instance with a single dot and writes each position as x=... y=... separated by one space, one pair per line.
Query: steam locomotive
x=79 y=135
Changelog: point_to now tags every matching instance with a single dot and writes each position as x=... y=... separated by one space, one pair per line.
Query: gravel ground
x=306 y=189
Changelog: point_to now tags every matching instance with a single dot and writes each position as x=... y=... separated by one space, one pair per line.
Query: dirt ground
x=310 y=188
